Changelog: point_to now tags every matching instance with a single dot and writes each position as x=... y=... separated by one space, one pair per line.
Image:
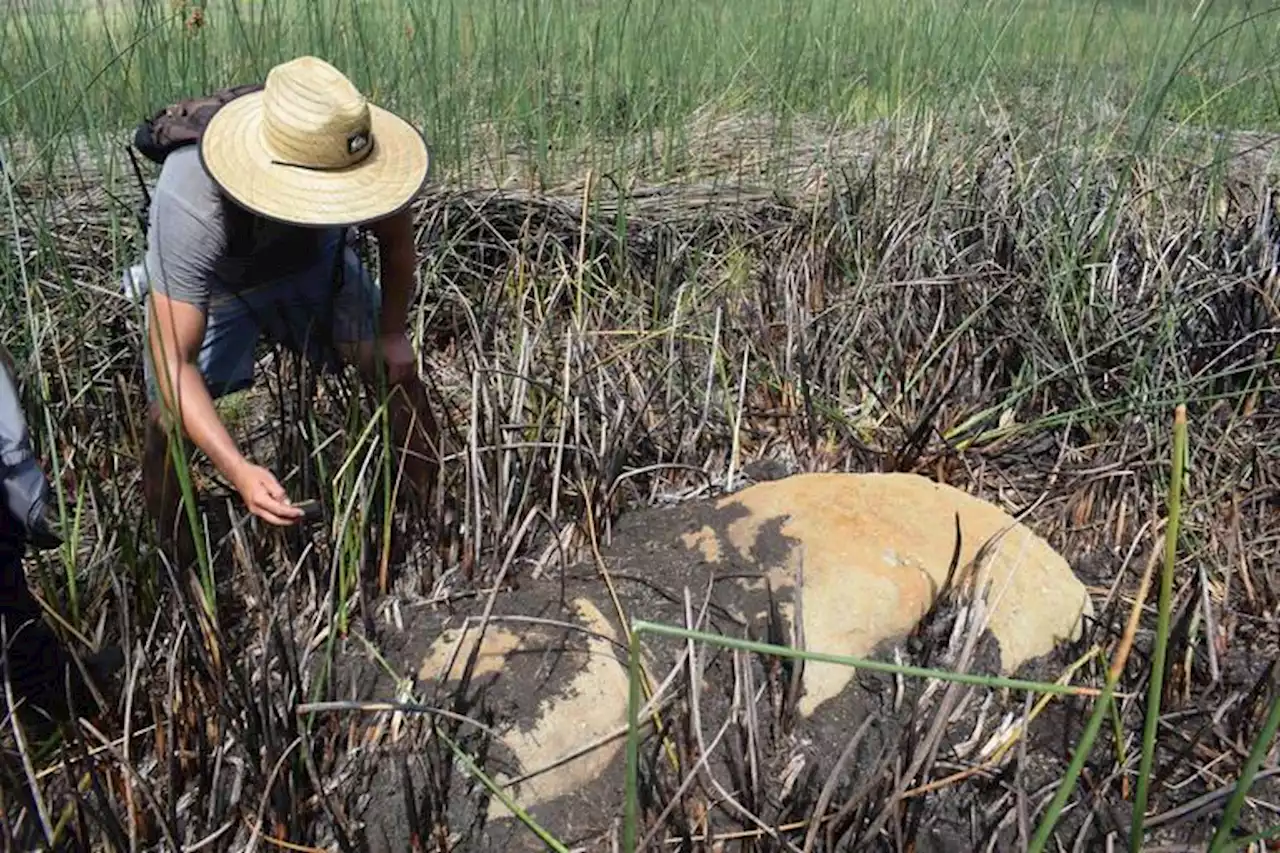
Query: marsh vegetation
x=995 y=243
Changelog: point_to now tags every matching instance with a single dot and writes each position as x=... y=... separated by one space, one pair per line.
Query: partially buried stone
x=587 y=707
x=874 y=550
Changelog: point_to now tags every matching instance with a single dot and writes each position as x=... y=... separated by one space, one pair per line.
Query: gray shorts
x=305 y=313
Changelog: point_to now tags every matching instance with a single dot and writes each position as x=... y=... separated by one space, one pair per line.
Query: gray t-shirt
x=191 y=256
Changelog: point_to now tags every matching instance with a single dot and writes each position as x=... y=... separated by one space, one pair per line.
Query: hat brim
x=381 y=184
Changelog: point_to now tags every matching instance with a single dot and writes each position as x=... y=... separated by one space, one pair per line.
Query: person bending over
x=251 y=233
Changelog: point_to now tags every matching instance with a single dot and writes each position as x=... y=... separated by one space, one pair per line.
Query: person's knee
x=160 y=423
x=156 y=464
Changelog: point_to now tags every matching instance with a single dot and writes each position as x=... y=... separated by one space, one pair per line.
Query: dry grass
x=1012 y=320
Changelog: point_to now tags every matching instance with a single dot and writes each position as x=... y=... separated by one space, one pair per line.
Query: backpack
x=183 y=122
x=177 y=125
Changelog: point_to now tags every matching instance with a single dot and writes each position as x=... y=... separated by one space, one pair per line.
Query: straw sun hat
x=309 y=149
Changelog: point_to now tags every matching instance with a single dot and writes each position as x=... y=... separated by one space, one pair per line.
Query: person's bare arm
x=176 y=330
x=188 y=237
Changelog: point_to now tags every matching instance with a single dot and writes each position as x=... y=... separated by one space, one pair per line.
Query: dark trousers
x=35 y=661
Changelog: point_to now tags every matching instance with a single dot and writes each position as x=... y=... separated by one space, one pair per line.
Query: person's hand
x=264 y=496
x=397 y=357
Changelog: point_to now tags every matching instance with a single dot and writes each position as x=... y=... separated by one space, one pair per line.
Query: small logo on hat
x=357 y=142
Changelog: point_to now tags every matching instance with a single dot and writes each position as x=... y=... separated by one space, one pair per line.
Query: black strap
x=144 y=208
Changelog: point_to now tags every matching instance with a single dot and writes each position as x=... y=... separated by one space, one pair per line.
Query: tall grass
x=617 y=83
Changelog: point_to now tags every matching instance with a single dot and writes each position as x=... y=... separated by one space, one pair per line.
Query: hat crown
x=313 y=116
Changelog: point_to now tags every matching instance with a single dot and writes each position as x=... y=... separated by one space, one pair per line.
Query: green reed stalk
x=1162 y=630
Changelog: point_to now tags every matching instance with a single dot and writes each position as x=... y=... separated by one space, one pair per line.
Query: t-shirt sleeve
x=186 y=234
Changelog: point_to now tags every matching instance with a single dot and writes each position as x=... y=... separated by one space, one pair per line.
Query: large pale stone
x=875 y=549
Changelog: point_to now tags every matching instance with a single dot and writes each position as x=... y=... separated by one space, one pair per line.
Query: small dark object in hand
x=311 y=510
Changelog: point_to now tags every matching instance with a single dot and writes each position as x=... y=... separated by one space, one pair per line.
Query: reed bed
x=666 y=247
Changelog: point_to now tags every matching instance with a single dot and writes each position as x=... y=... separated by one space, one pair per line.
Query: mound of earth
x=850 y=564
